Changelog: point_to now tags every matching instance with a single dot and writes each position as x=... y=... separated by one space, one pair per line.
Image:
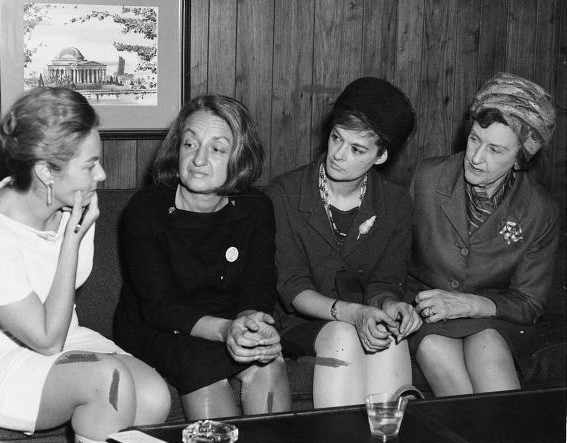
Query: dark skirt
x=299 y=340
x=188 y=363
x=520 y=338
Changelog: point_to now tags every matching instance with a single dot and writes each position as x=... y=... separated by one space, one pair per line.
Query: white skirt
x=23 y=373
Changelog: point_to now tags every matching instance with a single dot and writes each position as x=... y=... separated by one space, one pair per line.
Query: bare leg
x=490 y=362
x=265 y=388
x=387 y=370
x=95 y=391
x=213 y=401
x=339 y=366
x=152 y=394
x=443 y=363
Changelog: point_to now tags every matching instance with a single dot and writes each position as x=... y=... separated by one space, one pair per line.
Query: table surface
x=505 y=417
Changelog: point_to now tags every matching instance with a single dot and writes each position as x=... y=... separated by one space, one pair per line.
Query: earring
x=49 y=199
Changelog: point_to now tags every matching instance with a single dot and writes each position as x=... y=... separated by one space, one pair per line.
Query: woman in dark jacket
x=485 y=236
x=342 y=244
x=198 y=252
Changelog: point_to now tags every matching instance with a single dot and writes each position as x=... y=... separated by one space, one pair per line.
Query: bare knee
x=432 y=354
x=338 y=340
x=152 y=394
x=113 y=383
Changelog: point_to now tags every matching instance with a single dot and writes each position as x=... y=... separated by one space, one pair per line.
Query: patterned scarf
x=480 y=205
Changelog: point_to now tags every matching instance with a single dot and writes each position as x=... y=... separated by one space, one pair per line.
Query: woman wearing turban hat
x=342 y=243
x=485 y=236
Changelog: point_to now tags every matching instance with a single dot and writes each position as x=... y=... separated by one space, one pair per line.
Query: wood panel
x=119 y=161
x=409 y=39
x=222 y=46
x=291 y=89
x=559 y=149
x=380 y=26
x=199 y=48
x=435 y=109
x=254 y=66
x=466 y=67
x=145 y=153
x=336 y=56
x=521 y=44
x=492 y=39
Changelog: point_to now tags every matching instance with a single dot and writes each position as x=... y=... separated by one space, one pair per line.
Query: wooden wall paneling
x=492 y=39
x=409 y=39
x=380 y=20
x=145 y=153
x=545 y=73
x=222 y=46
x=559 y=153
x=254 y=62
x=466 y=65
x=521 y=43
x=199 y=47
x=291 y=91
x=435 y=108
x=119 y=162
x=337 y=54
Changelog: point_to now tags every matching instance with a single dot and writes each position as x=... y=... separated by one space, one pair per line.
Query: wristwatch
x=334 y=311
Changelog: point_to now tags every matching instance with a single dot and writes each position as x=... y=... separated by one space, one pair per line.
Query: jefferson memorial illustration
x=72 y=66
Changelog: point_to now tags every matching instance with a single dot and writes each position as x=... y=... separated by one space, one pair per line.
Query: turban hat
x=385 y=107
x=525 y=106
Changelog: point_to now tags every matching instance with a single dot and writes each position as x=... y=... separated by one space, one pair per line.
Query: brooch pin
x=365 y=226
x=512 y=232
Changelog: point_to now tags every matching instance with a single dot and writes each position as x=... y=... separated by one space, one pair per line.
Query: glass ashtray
x=209 y=431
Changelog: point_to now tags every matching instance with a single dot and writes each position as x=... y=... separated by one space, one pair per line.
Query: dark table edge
x=307 y=412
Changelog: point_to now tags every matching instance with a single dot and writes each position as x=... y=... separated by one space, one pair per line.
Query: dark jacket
x=178 y=268
x=515 y=274
x=366 y=269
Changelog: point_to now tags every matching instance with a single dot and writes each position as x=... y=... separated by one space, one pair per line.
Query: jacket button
x=176 y=332
x=454 y=284
x=360 y=271
x=222 y=277
x=464 y=252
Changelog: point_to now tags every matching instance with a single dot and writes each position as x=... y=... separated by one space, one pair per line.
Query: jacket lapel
x=505 y=211
x=310 y=203
x=452 y=199
x=373 y=204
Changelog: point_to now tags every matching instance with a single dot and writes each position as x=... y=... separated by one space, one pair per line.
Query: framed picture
x=126 y=57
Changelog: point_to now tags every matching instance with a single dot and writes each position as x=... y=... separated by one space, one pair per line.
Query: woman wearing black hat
x=342 y=242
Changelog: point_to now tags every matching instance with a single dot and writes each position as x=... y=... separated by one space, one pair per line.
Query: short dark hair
x=352 y=121
x=44 y=124
x=487 y=116
x=247 y=154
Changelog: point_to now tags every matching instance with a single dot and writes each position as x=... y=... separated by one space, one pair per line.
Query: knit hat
x=385 y=107
x=525 y=106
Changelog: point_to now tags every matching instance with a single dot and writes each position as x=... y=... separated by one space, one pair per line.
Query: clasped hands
x=377 y=328
x=252 y=337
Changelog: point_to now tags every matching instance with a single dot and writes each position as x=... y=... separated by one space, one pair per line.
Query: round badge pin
x=231 y=254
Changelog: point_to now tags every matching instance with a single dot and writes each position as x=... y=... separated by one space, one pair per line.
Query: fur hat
x=385 y=107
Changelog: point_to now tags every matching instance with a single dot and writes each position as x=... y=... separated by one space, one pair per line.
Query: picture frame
x=134 y=78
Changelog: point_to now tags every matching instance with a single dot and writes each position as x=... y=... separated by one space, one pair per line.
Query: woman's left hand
x=405 y=315
x=252 y=337
x=436 y=305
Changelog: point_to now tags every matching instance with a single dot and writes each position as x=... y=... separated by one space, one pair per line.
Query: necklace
x=340 y=237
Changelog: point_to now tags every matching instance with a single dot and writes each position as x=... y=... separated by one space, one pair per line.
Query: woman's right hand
x=371 y=325
x=252 y=337
x=79 y=225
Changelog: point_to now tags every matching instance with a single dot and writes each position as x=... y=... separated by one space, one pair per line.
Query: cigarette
x=78 y=227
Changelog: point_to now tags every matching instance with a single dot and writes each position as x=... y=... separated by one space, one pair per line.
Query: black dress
x=179 y=266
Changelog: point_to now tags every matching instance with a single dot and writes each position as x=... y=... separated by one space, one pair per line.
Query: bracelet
x=334 y=311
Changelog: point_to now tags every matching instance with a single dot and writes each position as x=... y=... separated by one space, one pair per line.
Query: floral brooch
x=365 y=226
x=511 y=231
